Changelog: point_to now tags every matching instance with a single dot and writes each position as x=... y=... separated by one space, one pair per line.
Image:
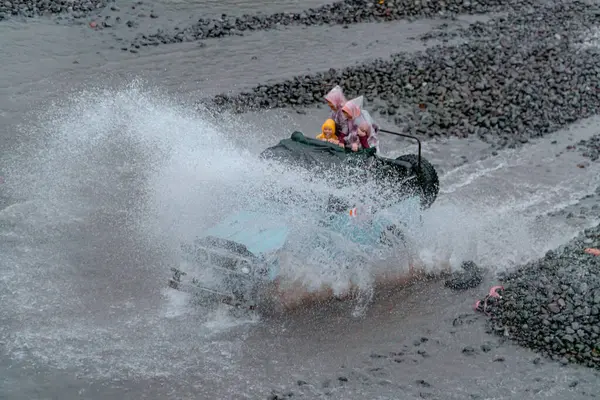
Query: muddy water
x=85 y=312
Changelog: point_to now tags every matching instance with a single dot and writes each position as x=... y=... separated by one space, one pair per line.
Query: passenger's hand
x=361 y=133
x=354 y=146
x=341 y=144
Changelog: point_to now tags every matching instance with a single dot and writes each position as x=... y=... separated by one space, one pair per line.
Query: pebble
x=500 y=83
x=552 y=305
x=423 y=383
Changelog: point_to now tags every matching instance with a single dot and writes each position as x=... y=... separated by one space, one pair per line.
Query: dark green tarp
x=316 y=154
x=402 y=175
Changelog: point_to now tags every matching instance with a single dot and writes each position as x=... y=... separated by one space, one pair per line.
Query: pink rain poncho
x=353 y=109
x=364 y=127
x=368 y=125
x=336 y=100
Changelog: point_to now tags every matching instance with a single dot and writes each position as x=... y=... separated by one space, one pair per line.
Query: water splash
x=113 y=181
x=498 y=211
x=102 y=195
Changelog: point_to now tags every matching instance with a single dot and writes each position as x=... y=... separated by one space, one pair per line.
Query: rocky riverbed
x=498 y=86
x=35 y=8
x=345 y=12
x=552 y=305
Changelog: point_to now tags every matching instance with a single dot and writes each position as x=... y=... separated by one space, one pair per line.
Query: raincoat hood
x=352 y=107
x=328 y=124
x=336 y=97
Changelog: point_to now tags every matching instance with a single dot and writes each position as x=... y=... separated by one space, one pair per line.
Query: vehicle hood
x=261 y=233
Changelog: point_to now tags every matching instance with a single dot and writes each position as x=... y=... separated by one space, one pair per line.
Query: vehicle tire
x=428 y=185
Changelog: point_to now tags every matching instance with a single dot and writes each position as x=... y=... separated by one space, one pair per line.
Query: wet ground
x=84 y=258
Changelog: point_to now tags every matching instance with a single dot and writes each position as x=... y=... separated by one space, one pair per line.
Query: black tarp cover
x=313 y=153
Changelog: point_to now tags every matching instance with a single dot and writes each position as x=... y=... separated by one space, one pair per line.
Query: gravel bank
x=34 y=8
x=344 y=12
x=499 y=83
x=553 y=305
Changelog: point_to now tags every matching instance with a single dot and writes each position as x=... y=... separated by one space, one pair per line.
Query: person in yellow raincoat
x=328 y=132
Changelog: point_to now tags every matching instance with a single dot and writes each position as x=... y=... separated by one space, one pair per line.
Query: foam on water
x=114 y=181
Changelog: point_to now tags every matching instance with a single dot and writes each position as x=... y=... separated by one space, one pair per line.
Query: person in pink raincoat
x=336 y=100
x=351 y=112
x=363 y=134
x=367 y=131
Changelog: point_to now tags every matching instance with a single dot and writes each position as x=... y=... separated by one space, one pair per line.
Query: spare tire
x=428 y=184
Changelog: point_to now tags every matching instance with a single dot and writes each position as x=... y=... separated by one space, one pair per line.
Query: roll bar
x=410 y=137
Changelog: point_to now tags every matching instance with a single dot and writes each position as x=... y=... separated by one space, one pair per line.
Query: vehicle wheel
x=427 y=178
